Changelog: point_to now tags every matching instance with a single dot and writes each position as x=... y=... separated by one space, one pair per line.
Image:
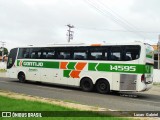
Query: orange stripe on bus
x=80 y=65
x=75 y=74
x=95 y=44
x=63 y=65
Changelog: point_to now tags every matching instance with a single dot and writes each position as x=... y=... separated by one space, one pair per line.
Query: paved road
x=149 y=101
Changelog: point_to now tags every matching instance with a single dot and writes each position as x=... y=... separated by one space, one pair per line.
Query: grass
x=157 y=84
x=10 y=104
x=3 y=70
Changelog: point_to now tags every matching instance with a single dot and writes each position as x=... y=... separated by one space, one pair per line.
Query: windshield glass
x=149 y=54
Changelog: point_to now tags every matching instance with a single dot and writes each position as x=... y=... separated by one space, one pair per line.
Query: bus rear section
x=134 y=74
x=147 y=77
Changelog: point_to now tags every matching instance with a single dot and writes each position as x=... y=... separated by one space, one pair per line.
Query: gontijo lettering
x=33 y=64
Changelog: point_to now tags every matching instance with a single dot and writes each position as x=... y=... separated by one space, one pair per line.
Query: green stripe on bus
x=41 y=64
x=66 y=73
x=104 y=67
x=92 y=66
x=125 y=68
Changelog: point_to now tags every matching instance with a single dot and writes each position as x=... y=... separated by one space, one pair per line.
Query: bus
x=104 y=67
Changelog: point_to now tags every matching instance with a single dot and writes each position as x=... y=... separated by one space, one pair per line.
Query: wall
x=156 y=75
x=2 y=65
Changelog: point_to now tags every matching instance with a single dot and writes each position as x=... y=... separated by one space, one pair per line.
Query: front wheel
x=21 y=77
x=102 y=86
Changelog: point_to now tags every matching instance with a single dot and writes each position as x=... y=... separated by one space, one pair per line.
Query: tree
x=5 y=51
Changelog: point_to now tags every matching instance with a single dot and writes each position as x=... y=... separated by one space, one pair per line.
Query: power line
x=116 y=14
x=115 y=30
x=113 y=17
x=107 y=14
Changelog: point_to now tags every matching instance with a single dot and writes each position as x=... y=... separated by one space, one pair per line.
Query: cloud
x=40 y=22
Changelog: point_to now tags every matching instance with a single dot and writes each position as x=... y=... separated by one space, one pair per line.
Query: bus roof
x=83 y=44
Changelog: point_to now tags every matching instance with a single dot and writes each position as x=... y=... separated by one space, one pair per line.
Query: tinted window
x=80 y=53
x=64 y=53
x=112 y=53
x=11 y=58
x=24 y=53
x=48 y=53
x=116 y=53
x=132 y=52
x=98 y=53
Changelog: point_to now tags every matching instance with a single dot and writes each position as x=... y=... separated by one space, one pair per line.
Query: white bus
x=114 y=67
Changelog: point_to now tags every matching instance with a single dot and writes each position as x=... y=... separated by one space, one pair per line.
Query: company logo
x=72 y=69
x=29 y=63
x=6 y=114
x=33 y=64
x=20 y=63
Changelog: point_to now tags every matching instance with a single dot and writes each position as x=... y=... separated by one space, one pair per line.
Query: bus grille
x=128 y=82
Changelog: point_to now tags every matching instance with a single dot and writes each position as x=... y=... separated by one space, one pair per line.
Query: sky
x=43 y=22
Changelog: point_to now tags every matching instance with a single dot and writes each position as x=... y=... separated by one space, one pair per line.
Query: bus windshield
x=149 y=54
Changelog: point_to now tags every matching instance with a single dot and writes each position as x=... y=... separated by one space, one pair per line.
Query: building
x=156 y=57
x=5 y=59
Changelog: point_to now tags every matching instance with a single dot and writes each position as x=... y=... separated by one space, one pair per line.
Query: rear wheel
x=21 y=77
x=86 y=84
x=102 y=86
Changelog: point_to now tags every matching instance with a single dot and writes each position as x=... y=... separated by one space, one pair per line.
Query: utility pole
x=70 y=33
x=158 y=46
x=2 y=48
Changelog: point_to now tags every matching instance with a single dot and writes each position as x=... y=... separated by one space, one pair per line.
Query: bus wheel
x=21 y=77
x=86 y=84
x=102 y=86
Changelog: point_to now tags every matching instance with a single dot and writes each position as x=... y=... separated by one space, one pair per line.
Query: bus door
x=11 y=69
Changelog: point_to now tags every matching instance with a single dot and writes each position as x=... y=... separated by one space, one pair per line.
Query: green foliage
x=5 y=52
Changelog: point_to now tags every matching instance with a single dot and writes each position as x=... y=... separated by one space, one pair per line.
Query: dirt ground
x=155 y=90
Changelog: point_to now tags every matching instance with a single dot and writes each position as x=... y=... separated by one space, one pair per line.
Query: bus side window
x=64 y=55
x=43 y=55
x=132 y=52
x=116 y=53
x=34 y=55
x=135 y=56
x=60 y=56
x=26 y=55
x=23 y=53
x=50 y=55
x=127 y=58
x=98 y=53
x=80 y=55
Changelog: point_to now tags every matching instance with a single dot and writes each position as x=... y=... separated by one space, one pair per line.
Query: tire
x=102 y=86
x=21 y=78
x=86 y=84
